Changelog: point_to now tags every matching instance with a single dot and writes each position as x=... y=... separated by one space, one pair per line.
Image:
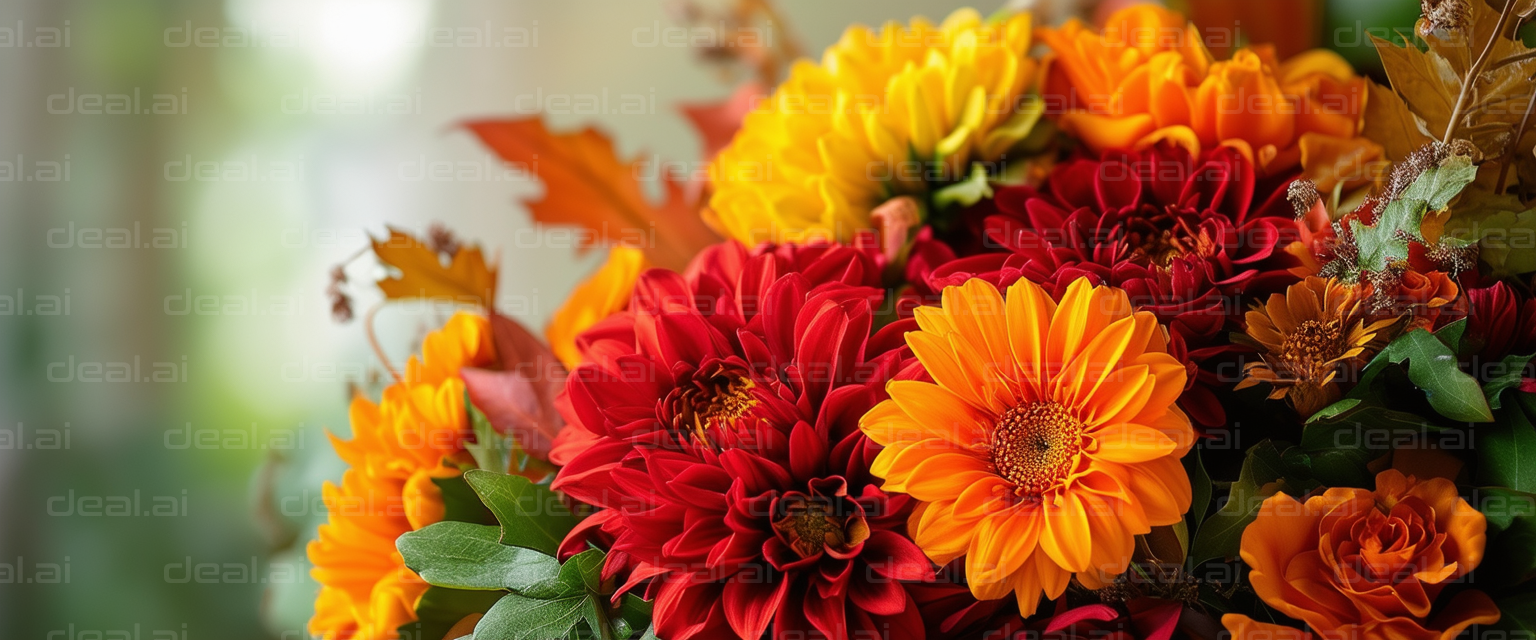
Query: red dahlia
x=720 y=442
x=1190 y=238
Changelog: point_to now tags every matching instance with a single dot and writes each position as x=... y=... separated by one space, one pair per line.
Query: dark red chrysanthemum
x=1191 y=239
x=1501 y=321
x=718 y=436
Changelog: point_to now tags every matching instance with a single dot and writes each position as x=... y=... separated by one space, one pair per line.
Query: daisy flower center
x=713 y=401
x=1035 y=445
x=1314 y=344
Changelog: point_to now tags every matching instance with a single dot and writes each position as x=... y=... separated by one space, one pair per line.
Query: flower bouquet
x=984 y=329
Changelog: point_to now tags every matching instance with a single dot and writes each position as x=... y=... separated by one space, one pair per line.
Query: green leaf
x=460 y=503
x=1200 y=488
x=491 y=450
x=1506 y=450
x=555 y=608
x=580 y=574
x=966 y=192
x=1517 y=614
x=531 y=515
x=1401 y=222
x=1435 y=369
x=517 y=617
x=440 y=608
x=1513 y=372
x=1264 y=473
x=1511 y=535
x=634 y=614
x=1437 y=186
x=461 y=555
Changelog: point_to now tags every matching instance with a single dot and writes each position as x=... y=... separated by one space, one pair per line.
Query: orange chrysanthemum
x=1306 y=336
x=605 y=293
x=1148 y=77
x=1367 y=565
x=1048 y=440
x=398 y=446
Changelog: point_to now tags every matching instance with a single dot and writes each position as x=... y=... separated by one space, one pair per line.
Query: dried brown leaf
x=466 y=278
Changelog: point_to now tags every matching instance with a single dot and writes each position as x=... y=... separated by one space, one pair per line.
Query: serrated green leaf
x=531 y=515
x=1436 y=370
x=581 y=573
x=1437 y=186
x=461 y=555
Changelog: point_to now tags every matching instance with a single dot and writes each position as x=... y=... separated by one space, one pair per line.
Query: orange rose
x=1362 y=565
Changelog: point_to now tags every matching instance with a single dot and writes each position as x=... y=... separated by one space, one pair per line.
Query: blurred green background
x=169 y=361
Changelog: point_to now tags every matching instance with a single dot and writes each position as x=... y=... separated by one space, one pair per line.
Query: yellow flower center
x=1035 y=445
x=720 y=400
x=1312 y=346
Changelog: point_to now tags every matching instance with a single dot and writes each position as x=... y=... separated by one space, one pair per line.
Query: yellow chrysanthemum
x=398 y=446
x=1048 y=440
x=1147 y=77
x=1307 y=335
x=885 y=114
x=604 y=294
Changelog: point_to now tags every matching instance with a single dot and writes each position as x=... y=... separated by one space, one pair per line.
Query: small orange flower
x=416 y=433
x=604 y=294
x=1147 y=77
x=1364 y=565
x=1048 y=440
x=1307 y=335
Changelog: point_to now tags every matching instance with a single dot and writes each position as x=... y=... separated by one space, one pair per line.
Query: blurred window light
x=359 y=44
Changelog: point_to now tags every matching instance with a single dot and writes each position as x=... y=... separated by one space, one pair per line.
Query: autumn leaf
x=588 y=185
x=717 y=122
x=1389 y=122
x=466 y=278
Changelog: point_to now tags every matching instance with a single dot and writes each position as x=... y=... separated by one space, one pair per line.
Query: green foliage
x=1511 y=535
x=1506 y=449
x=531 y=515
x=461 y=555
x=1400 y=223
x=1266 y=471
x=440 y=608
x=527 y=594
x=1434 y=368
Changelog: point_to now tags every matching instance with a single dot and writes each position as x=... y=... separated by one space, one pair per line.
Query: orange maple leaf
x=587 y=184
x=717 y=122
x=466 y=278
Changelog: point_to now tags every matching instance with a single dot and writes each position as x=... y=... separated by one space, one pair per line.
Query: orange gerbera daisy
x=414 y=434
x=1047 y=441
x=1306 y=336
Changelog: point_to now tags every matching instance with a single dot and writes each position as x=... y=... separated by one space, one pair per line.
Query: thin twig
x=1470 y=81
x=373 y=341
x=1519 y=57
